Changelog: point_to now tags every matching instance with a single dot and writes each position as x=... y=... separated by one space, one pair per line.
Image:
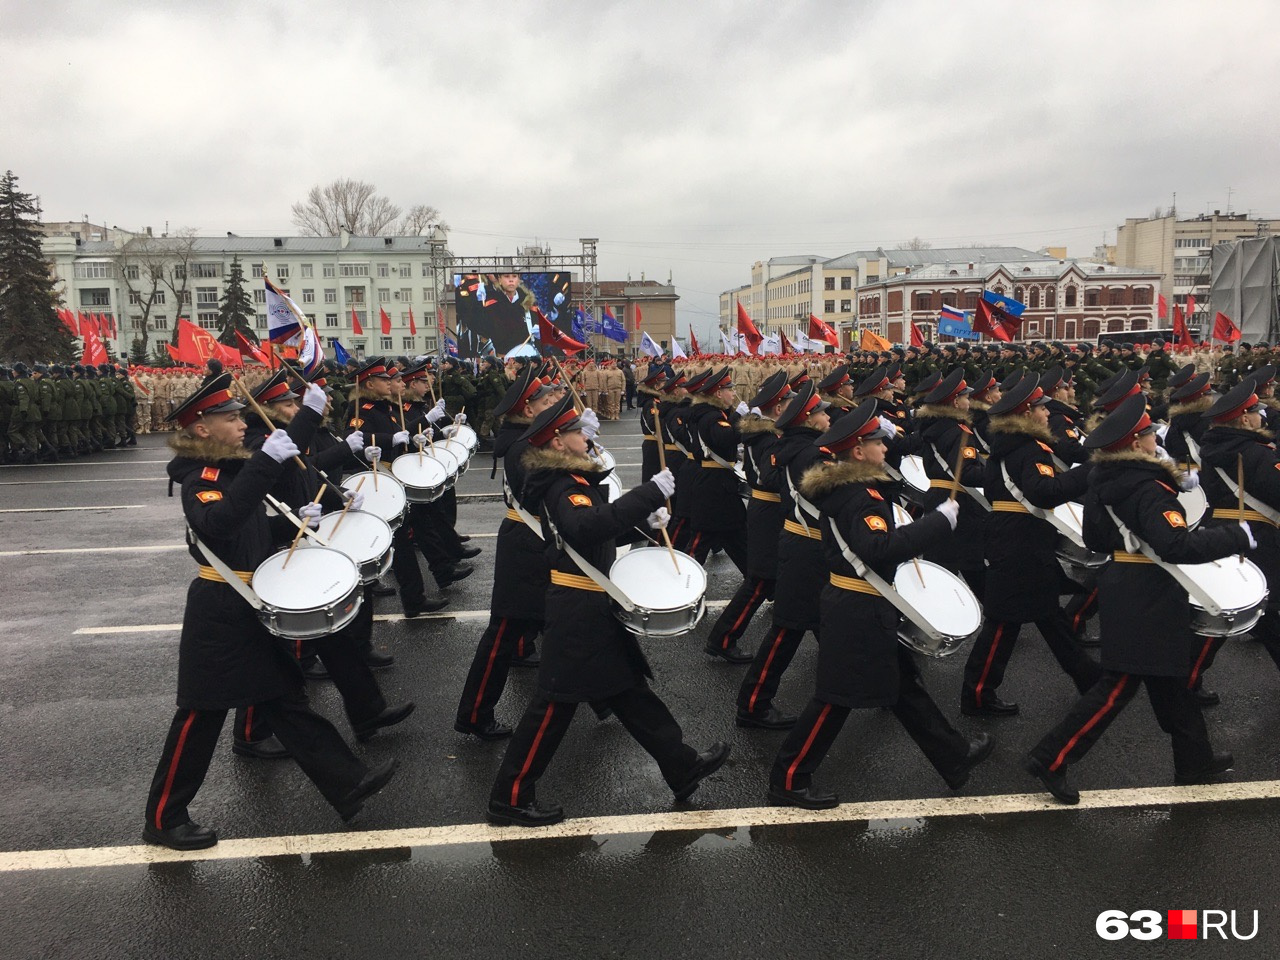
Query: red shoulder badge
x=1044 y=446
x=964 y=428
x=581 y=480
x=874 y=494
x=366 y=406
x=1167 y=487
x=579 y=500
x=210 y=474
x=1175 y=518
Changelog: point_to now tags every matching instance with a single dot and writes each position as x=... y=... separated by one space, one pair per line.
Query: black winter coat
x=649 y=462
x=586 y=653
x=520 y=569
x=764 y=509
x=944 y=429
x=1144 y=615
x=715 y=504
x=1068 y=441
x=801 y=568
x=1187 y=420
x=675 y=434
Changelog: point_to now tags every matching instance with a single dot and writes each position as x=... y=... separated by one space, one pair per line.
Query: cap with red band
x=855 y=427
x=1235 y=403
x=214 y=396
x=804 y=404
x=275 y=389
x=560 y=418
x=375 y=367
x=1126 y=423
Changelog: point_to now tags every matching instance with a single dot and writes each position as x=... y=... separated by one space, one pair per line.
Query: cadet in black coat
x=1187 y=421
x=759 y=434
x=650 y=410
x=717 y=515
x=679 y=459
x=1145 y=615
x=586 y=653
x=861 y=663
x=801 y=569
x=1023 y=576
x=1065 y=420
x=226 y=657
x=986 y=391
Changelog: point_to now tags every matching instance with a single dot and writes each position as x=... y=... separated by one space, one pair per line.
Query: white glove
x=280 y=447
x=314 y=399
x=420 y=440
x=460 y=419
x=742 y=408
x=951 y=510
x=400 y=438
x=357 y=500
x=450 y=431
x=372 y=453
x=1191 y=480
x=355 y=441
x=757 y=411
x=311 y=513
x=665 y=482
x=1163 y=454
x=659 y=519
x=888 y=426
x=436 y=414
x=1244 y=525
x=590 y=423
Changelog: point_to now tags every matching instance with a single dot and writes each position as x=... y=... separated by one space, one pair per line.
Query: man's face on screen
x=509 y=282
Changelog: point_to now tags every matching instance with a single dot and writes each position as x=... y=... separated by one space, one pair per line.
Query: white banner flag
x=676 y=349
x=648 y=345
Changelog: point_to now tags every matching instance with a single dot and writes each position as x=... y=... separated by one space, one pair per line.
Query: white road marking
x=40 y=483
x=699 y=820
x=77 y=463
x=126 y=506
x=158 y=548
x=445 y=614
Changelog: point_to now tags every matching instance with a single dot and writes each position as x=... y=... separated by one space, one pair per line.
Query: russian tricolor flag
x=953 y=313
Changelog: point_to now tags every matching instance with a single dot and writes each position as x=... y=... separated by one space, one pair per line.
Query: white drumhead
x=384 y=498
x=315 y=578
x=605 y=458
x=613 y=486
x=943 y=598
x=467 y=436
x=1071 y=514
x=361 y=536
x=459 y=449
x=647 y=576
x=1194 y=504
x=443 y=456
x=1233 y=583
x=913 y=472
x=415 y=472
x=900 y=516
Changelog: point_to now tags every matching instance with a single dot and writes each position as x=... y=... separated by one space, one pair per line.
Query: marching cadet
x=837 y=389
x=942 y=425
x=800 y=565
x=226 y=657
x=1145 y=614
x=1064 y=419
x=521 y=574
x=986 y=391
x=861 y=663
x=651 y=408
x=1023 y=577
x=759 y=433
x=1188 y=404
x=676 y=426
x=586 y=653
x=717 y=515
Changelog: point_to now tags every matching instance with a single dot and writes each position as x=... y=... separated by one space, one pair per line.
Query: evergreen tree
x=235 y=311
x=29 y=326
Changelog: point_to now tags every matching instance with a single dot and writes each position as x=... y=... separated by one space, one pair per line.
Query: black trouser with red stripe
x=503 y=639
x=1175 y=708
x=809 y=740
x=984 y=670
x=545 y=723
x=732 y=542
x=404 y=567
x=760 y=685
x=193 y=736
x=1082 y=607
x=736 y=617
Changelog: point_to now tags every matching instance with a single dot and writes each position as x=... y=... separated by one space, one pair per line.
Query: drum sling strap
x=604 y=583
x=1135 y=544
x=971 y=491
x=1046 y=515
x=529 y=519
x=227 y=574
x=1267 y=511
x=885 y=588
x=276 y=508
x=800 y=506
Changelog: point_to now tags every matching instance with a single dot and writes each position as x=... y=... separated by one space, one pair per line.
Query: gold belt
x=514 y=514
x=714 y=465
x=649 y=436
x=670 y=446
x=766 y=495
x=208 y=573
x=813 y=533
x=577 y=581
x=1120 y=556
x=948 y=485
x=854 y=584
x=1231 y=513
x=1008 y=506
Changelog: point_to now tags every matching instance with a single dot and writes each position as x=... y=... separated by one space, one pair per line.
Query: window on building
x=137 y=323
x=158 y=297
x=308 y=296
x=206 y=271
x=829 y=306
x=1050 y=296
x=1070 y=299
x=428 y=295
x=828 y=283
x=261 y=321
x=135 y=298
x=971 y=300
x=326 y=269
x=354 y=294
x=131 y=272
x=1115 y=296
x=185 y=297
x=257 y=271
x=846 y=283
x=259 y=296
x=362 y=316
x=160 y=322
x=330 y=295
x=426 y=268
x=384 y=270
x=1033 y=297
x=407 y=343
x=95 y=297
x=307 y=272
x=1091 y=298
x=355 y=269
x=1019 y=294
x=384 y=295
x=386 y=343
x=432 y=345
x=94 y=270
x=330 y=319
x=922 y=301
x=406 y=270
x=1139 y=323
x=282 y=271
x=206 y=295
x=180 y=272
x=406 y=294
x=846 y=306
x=208 y=319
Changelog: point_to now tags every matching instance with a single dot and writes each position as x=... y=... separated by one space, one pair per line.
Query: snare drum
x=900 y=516
x=1076 y=560
x=1237 y=586
x=1195 y=505
x=667 y=604
x=362 y=536
x=917 y=484
x=459 y=451
x=467 y=437
x=317 y=594
x=447 y=459
x=943 y=601
x=385 y=499
x=613 y=486
x=424 y=477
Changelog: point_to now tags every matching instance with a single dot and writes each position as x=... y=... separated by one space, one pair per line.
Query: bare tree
x=140 y=263
x=420 y=219
x=348 y=203
x=179 y=252
x=915 y=243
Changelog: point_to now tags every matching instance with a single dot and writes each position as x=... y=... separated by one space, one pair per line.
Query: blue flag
x=579 y=328
x=339 y=354
x=612 y=327
x=956 y=328
x=1001 y=302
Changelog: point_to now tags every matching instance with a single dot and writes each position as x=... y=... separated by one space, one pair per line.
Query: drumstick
x=375 y=474
x=662 y=462
x=265 y=419
x=1240 y=489
x=298 y=536
x=345 y=509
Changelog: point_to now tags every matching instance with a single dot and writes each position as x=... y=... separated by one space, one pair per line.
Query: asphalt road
x=902 y=871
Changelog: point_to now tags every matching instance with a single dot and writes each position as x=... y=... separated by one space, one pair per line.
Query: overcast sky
x=690 y=137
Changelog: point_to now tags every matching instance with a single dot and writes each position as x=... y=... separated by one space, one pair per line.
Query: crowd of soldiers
x=52 y=412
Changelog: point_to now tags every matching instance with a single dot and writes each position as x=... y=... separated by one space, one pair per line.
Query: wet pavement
x=83 y=711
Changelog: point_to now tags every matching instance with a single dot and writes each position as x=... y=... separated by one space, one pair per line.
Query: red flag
x=247 y=348
x=440 y=322
x=196 y=345
x=1181 y=335
x=69 y=321
x=820 y=331
x=693 y=343
x=1191 y=306
x=94 y=352
x=787 y=346
x=990 y=319
x=916 y=339
x=748 y=329
x=1164 y=307
x=413 y=327
x=1224 y=329
x=386 y=322
x=637 y=316
x=174 y=354
x=355 y=324
x=553 y=336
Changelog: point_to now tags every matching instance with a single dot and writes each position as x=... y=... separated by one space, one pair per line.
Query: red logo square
x=1182 y=925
